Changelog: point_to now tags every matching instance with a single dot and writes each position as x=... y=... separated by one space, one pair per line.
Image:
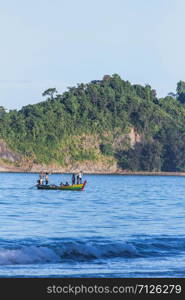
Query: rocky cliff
x=8 y=154
x=12 y=161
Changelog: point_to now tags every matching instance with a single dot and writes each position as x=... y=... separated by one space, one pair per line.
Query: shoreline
x=140 y=173
x=86 y=169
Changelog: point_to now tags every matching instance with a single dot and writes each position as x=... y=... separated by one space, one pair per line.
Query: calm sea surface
x=120 y=226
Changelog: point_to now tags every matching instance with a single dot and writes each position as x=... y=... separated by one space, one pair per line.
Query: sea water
x=119 y=226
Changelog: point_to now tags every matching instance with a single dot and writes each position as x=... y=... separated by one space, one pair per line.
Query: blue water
x=119 y=226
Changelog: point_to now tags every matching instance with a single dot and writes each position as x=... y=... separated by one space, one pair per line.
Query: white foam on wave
x=27 y=255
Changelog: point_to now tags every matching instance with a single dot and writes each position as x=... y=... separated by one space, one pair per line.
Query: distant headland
x=107 y=126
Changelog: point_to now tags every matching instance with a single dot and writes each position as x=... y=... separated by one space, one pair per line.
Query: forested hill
x=105 y=122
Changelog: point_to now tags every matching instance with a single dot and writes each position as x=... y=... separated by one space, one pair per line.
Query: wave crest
x=60 y=251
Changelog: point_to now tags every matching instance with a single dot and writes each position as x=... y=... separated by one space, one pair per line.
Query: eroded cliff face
x=99 y=167
x=12 y=161
x=8 y=158
x=8 y=154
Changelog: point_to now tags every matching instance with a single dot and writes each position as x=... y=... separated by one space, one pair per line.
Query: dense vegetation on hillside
x=51 y=131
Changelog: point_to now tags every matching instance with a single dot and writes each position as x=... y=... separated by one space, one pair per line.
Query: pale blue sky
x=59 y=43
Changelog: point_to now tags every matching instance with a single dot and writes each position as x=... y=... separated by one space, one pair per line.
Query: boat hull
x=74 y=187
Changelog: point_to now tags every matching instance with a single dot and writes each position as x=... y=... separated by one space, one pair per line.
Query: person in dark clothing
x=78 y=179
x=73 y=179
x=46 y=178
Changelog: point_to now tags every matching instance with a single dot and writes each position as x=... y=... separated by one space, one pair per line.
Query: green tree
x=50 y=92
x=181 y=91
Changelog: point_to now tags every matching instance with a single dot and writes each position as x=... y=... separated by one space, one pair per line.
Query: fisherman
x=77 y=179
x=41 y=178
x=80 y=176
x=47 y=178
x=73 y=179
x=66 y=183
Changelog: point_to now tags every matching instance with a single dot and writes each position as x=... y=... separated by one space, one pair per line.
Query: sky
x=59 y=43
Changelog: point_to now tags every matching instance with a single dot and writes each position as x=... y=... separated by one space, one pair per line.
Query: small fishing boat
x=74 y=187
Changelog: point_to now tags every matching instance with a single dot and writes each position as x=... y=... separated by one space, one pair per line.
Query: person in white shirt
x=80 y=176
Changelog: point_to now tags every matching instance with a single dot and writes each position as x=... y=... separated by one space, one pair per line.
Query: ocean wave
x=58 y=251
